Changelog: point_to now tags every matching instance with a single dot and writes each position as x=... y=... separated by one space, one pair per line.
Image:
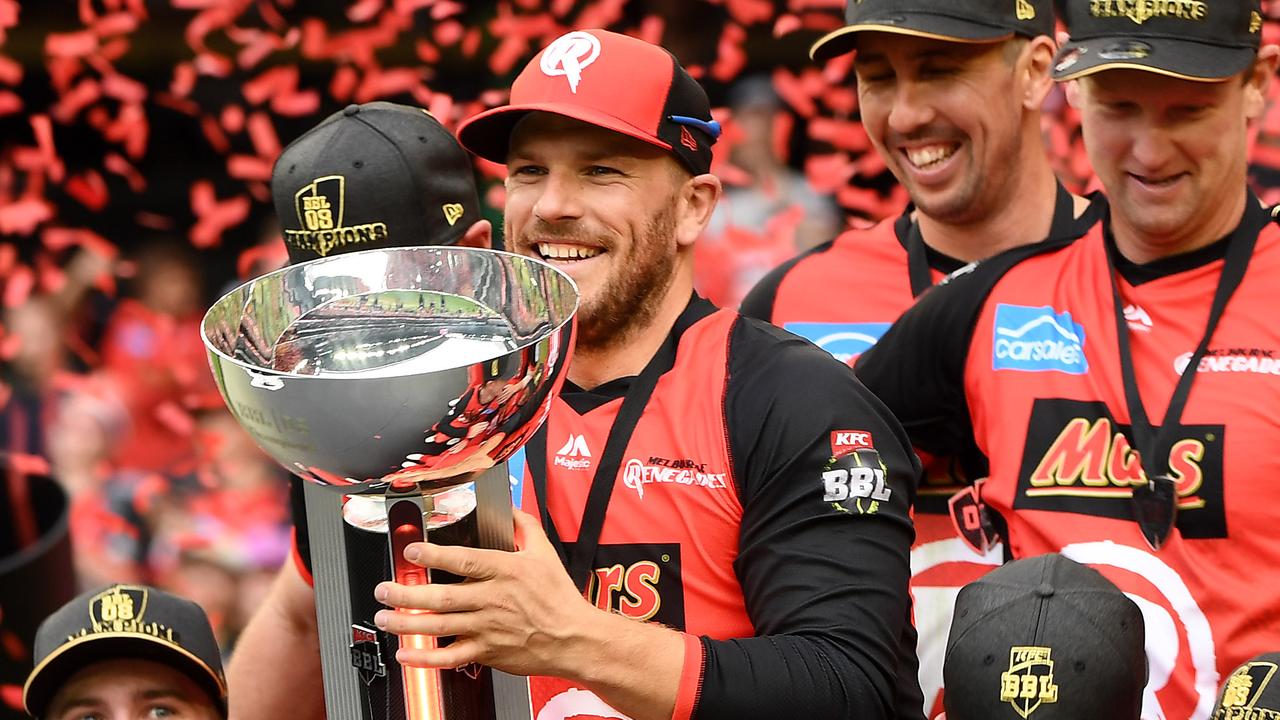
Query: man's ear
x=698 y=198
x=1036 y=63
x=1258 y=80
x=479 y=235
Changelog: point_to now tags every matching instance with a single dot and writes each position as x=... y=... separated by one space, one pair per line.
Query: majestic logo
x=687 y=140
x=1241 y=693
x=1025 y=10
x=636 y=475
x=844 y=442
x=452 y=212
x=569 y=55
x=846 y=341
x=574 y=455
x=320 y=207
x=856 y=482
x=1140 y=11
x=1258 y=361
x=1028 y=683
x=1137 y=318
x=1077 y=458
x=366 y=653
x=1037 y=339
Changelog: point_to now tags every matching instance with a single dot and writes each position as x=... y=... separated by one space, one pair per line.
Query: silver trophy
x=398 y=382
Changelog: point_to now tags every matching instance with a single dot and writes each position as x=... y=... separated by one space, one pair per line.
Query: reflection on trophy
x=397 y=381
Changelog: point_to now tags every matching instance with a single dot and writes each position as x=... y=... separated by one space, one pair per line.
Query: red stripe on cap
x=620 y=76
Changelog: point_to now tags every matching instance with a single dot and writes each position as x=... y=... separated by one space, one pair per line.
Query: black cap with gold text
x=1204 y=40
x=372 y=176
x=951 y=20
x=124 y=621
x=1252 y=691
x=1044 y=638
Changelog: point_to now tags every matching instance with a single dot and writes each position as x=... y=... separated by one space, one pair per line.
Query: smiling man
x=1123 y=386
x=949 y=92
x=730 y=501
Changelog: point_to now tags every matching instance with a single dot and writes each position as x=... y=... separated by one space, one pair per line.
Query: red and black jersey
x=761 y=507
x=843 y=296
x=1018 y=363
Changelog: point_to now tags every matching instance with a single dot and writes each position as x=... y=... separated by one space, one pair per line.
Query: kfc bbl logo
x=366 y=654
x=1028 y=683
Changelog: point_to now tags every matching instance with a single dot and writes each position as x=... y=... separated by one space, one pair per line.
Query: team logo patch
x=1242 y=691
x=123 y=609
x=1257 y=361
x=846 y=341
x=568 y=55
x=844 y=442
x=574 y=455
x=1028 y=683
x=1037 y=339
x=366 y=653
x=636 y=475
x=1078 y=459
x=856 y=482
x=320 y=208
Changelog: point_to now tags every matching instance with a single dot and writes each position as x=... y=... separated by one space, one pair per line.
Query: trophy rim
x=256 y=369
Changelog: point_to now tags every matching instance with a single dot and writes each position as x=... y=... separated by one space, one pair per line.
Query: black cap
x=1252 y=691
x=370 y=176
x=610 y=80
x=952 y=20
x=1044 y=638
x=124 y=621
x=1207 y=40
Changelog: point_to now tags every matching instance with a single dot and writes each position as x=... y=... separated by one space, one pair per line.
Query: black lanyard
x=1155 y=504
x=633 y=404
x=921 y=273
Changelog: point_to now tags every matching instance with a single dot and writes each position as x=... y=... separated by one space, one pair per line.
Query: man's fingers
x=424 y=623
x=456 y=654
x=474 y=563
x=437 y=597
x=529 y=533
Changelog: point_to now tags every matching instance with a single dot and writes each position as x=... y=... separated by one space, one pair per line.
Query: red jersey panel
x=1044 y=389
x=675 y=567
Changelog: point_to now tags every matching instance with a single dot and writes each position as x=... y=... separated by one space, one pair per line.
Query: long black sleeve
x=827 y=478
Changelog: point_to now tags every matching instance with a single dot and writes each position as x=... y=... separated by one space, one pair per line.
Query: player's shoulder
x=771 y=356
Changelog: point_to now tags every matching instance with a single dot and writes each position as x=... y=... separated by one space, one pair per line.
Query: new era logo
x=687 y=140
x=574 y=455
x=452 y=212
x=844 y=442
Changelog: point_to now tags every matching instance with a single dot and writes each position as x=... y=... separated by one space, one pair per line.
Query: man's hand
x=517 y=611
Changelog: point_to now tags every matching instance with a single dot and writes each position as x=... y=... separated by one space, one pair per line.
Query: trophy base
x=361 y=677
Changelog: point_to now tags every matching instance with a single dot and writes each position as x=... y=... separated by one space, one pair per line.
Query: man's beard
x=635 y=287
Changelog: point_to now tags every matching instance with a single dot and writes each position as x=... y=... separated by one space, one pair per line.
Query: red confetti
x=75 y=44
x=21 y=281
x=23 y=216
x=89 y=189
x=10 y=103
x=214 y=216
x=10 y=71
x=363 y=10
x=12 y=697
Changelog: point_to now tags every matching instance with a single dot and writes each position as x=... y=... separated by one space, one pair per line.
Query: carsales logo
x=844 y=442
x=636 y=475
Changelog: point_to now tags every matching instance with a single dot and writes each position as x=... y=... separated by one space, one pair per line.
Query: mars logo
x=846 y=341
x=1028 y=683
x=574 y=455
x=569 y=55
x=1242 y=691
x=1078 y=459
x=639 y=581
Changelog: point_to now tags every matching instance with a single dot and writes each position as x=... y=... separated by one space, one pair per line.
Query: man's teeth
x=567 y=252
x=924 y=157
x=1157 y=182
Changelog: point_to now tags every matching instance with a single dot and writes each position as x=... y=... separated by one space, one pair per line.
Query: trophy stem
x=422 y=693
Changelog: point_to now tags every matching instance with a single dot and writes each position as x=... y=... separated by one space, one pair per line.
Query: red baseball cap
x=610 y=80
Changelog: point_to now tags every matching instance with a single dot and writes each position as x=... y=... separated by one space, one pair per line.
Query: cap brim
x=77 y=654
x=1182 y=59
x=917 y=24
x=489 y=133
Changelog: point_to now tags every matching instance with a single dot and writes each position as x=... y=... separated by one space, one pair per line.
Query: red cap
x=610 y=80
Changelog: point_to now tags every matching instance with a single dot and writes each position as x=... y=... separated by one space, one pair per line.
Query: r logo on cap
x=569 y=55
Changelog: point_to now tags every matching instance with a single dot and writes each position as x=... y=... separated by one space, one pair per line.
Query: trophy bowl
x=398 y=366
